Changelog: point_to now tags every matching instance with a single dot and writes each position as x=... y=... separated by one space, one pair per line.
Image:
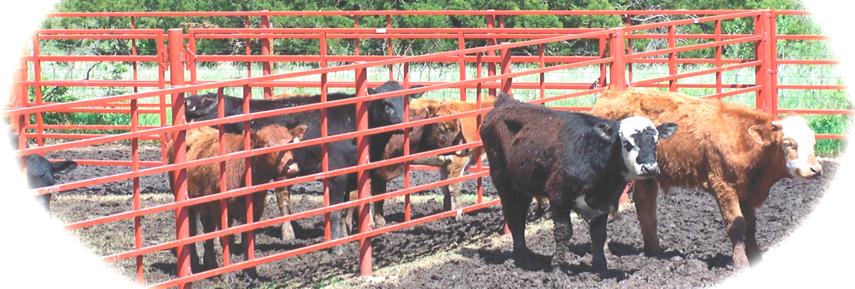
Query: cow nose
x=649 y=169
x=816 y=170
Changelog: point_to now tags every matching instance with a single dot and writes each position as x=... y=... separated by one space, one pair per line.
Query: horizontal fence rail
x=514 y=60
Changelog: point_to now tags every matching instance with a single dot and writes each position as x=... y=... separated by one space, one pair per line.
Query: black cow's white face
x=638 y=137
x=199 y=105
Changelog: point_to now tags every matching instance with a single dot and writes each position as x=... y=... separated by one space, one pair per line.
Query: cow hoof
x=652 y=253
x=229 y=277
x=528 y=260
x=288 y=232
x=740 y=263
x=379 y=221
x=599 y=264
x=251 y=272
x=458 y=216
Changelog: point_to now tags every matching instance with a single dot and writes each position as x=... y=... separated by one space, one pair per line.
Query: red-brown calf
x=204 y=180
x=731 y=151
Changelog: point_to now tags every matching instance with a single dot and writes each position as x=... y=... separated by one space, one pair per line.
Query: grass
x=788 y=99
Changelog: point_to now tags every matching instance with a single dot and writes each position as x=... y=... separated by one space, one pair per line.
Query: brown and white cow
x=732 y=151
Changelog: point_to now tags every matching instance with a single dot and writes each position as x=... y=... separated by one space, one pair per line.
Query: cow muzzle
x=809 y=171
x=648 y=170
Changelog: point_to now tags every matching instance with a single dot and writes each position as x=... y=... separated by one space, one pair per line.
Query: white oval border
x=37 y=252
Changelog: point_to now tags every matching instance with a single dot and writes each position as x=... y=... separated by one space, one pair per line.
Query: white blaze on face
x=802 y=160
x=629 y=133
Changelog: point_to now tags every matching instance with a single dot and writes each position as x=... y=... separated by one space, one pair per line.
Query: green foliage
x=405 y=47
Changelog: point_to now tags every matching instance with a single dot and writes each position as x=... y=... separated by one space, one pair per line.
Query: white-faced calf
x=577 y=161
x=732 y=151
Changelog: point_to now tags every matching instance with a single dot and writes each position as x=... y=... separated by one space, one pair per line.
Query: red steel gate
x=615 y=62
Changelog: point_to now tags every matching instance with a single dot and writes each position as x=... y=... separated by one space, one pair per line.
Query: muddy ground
x=466 y=253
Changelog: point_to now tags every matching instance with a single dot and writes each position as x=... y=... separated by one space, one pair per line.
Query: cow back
x=712 y=136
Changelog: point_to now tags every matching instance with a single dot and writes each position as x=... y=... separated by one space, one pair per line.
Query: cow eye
x=627 y=146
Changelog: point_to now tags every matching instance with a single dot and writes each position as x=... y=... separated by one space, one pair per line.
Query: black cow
x=340 y=119
x=43 y=173
x=577 y=161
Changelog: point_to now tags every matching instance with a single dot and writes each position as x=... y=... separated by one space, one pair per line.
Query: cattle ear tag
x=756 y=133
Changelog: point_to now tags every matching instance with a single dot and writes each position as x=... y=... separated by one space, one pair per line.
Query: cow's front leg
x=598 y=241
x=752 y=250
x=644 y=195
x=731 y=213
x=456 y=168
x=562 y=232
x=338 y=194
x=283 y=199
x=378 y=187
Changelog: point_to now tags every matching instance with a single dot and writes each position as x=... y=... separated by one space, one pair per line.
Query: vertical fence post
x=541 y=64
x=249 y=241
x=162 y=64
x=479 y=184
x=718 y=51
x=602 y=50
x=191 y=60
x=325 y=157
x=225 y=241
x=628 y=48
x=461 y=62
x=407 y=202
x=762 y=73
x=491 y=64
x=266 y=50
x=365 y=263
x=21 y=120
x=672 y=58
x=182 y=220
x=617 y=72
x=505 y=87
x=772 y=28
x=390 y=48
x=37 y=88
x=506 y=69
x=135 y=164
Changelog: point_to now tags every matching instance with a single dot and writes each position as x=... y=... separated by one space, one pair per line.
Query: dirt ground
x=466 y=253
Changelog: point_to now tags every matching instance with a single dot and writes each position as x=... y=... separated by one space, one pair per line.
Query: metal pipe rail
x=613 y=59
x=182 y=203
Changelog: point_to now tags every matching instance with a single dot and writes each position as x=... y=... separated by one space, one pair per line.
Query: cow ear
x=666 y=130
x=759 y=134
x=604 y=131
x=298 y=132
x=372 y=91
x=416 y=95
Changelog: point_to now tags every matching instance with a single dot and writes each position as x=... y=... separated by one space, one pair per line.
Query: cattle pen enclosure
x=120 y=202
